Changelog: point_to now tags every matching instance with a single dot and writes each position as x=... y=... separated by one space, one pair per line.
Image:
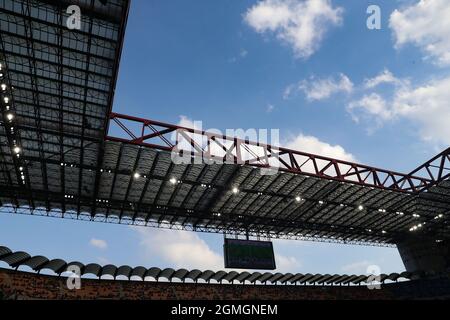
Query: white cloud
x=372 y=105
x=310 y=144
x=313 y=145
x=289 y=90
x=425 y=24
x=359 y=267
x=425 y=105
x=301 y=24
x=286 y=263
x=270 y=108
x=180 y=249
x=189 y=123
x=242 y=54
x=103 y=260
x=383 y=77
x=98 y=243
x=320 y=89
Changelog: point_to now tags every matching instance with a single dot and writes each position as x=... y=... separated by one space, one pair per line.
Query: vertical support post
x=424 y=254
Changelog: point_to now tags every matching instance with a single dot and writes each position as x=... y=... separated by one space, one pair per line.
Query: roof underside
x=202 y=199
x=63 y=83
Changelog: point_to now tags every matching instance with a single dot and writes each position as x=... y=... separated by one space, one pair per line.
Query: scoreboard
x=249 y=254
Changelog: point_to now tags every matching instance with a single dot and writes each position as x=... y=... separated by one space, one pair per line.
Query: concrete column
x=424 y=254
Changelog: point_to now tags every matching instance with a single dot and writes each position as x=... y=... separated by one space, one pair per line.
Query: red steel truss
x=208 y=146
x=436 y=169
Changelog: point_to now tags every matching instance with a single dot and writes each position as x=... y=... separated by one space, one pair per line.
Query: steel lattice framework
x=58 y=159
x=60 y=83
x=233 y=150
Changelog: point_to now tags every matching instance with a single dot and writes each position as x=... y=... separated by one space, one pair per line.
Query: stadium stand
x=169 y=284
x=23 y=285
x=59 y=266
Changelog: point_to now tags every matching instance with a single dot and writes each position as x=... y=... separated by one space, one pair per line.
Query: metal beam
x=239 y=151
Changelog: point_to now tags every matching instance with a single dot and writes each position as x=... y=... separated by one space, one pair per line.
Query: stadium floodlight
x=6 y=99
x=235 y=190
x=10 y=116
x=137 y=175
x=16 y=149
x=3 y=87
x=414 y=228
x=298 y=198
x=360 y=208
x=173 y=180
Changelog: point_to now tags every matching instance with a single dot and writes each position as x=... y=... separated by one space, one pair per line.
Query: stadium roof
x=60 y=84
x=57 y=160
x=59 y=266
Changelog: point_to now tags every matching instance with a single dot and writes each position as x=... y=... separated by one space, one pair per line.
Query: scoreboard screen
x=248 y=254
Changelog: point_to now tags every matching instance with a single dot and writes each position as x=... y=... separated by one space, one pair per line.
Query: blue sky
x=311 y=69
